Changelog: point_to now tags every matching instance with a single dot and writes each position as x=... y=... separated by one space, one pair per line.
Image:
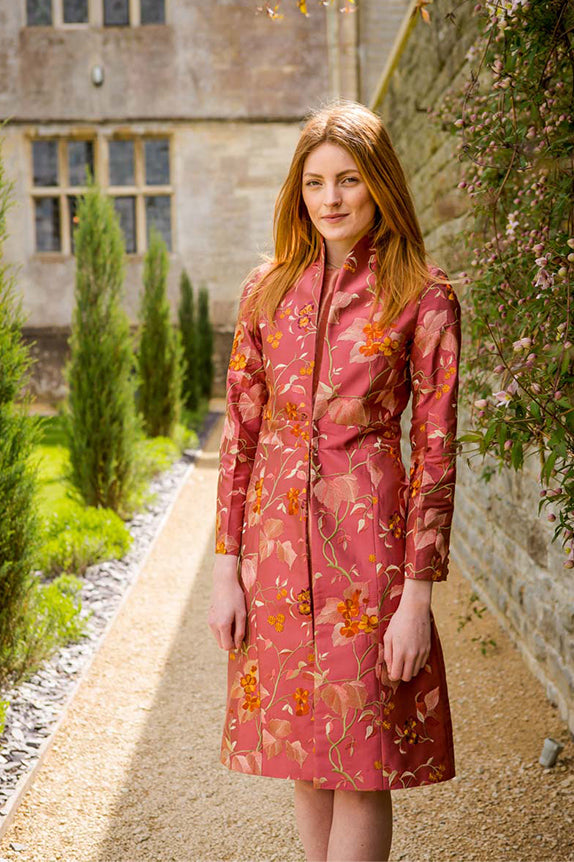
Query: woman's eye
x=352 y=179
x=310 y=182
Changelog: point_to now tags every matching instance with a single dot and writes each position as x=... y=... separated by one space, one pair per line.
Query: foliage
x=160 y=354
x=4 y=704
x=189 y=336
x=18 y=434
x=205 y=344
x=100 y=415
x=77 y=537
x=475 y=612
x=516 y=127
x=52 y=616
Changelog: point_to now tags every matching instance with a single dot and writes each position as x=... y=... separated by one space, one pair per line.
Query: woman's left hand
x=406 y=642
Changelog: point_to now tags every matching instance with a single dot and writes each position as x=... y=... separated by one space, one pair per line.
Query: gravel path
x=134 y=774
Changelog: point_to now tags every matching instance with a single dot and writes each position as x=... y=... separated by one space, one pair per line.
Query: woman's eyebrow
x=340 y=174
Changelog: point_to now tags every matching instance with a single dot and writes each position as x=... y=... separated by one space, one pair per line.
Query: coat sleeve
x=434 y=372
x=246 y=396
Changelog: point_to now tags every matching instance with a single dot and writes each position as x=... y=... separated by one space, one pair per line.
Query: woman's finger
x=239 y=629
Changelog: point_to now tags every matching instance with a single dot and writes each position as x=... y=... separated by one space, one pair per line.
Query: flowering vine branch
x=515 y=120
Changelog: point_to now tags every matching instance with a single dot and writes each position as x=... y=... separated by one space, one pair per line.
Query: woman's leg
x=313 y=813
x=362 y=826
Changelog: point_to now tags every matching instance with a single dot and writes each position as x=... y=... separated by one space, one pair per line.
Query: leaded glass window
x=152 y=11
x=116 y=13
x=39 y=13
x=47 y=218
x=45 y=163
x=122 y=163
x=75 y=11
x=156 y=161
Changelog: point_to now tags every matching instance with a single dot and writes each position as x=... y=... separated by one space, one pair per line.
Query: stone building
x=186 y=112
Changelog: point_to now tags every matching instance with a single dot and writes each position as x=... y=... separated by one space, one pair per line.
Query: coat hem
x=325 y=784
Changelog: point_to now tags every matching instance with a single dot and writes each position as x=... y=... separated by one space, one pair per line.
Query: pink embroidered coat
x=314 y=497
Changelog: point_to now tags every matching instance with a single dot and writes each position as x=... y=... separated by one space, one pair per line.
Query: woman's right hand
x=227 y=613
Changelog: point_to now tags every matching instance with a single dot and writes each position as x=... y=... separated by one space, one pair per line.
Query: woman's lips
x=336 y=217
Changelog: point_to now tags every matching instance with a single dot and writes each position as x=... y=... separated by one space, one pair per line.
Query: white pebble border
x=38 y=705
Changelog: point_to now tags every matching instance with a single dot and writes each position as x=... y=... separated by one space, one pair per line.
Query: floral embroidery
x=301 y=696
x=377 y=342
x=304 y=599
x=305 y=317
x=327 y=539
x=277 y=622
x=237 y=362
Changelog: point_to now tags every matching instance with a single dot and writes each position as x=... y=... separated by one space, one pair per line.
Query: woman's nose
x=332 y=196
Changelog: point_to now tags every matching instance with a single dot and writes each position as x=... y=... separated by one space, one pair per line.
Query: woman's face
x=337 y=199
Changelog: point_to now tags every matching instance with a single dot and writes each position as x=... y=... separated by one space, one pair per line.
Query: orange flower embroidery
x=237 y=362
x=409 y=732
x=293 y=498
x=376 y=342
x=249 y=681
x=437 y=772
x=304 y=599
x=368 y=622
x=396 y=525
x=258 y=489
x=277 y=621
x=304 y=317
x=274 y=338
x=251 y=702
x=301 y=697
x=441 y=390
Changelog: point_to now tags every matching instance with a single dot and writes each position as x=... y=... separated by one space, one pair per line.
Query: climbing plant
x=515 y=123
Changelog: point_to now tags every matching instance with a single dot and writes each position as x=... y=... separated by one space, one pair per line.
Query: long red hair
x=402 y=260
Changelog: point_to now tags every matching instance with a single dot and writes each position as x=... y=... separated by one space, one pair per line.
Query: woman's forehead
x=329 y=157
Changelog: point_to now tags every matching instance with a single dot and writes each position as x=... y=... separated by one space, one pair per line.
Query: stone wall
x=228 y=86
x=498 y=540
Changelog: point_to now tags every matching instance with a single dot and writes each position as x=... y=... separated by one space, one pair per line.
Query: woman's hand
x=406 y=642
x=227 y=613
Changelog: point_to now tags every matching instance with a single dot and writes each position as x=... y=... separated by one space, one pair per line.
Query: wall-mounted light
x=97 y=76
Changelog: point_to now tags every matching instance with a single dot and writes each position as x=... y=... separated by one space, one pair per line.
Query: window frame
x=95 y=17
x=140 y=190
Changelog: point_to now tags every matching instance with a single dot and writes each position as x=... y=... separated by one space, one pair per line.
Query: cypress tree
x=188 y=328
x=100 y=417
x=160 y=355
x=19 y=433
x=205 y=344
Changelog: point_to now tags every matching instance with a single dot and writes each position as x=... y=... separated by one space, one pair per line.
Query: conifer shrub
x=99 y=415
x=189 y=335
x=160 y=353
x=205 y=344
x=19 y=432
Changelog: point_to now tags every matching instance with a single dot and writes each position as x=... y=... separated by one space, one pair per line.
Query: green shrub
x=160 y=351
x=4 y=704
x=19 y=432
x=76 y=537
x=204 y=344
x=189 y=336
x=100 y=416
x=52 y=617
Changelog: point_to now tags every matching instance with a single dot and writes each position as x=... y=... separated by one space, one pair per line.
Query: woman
x=326 y=551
